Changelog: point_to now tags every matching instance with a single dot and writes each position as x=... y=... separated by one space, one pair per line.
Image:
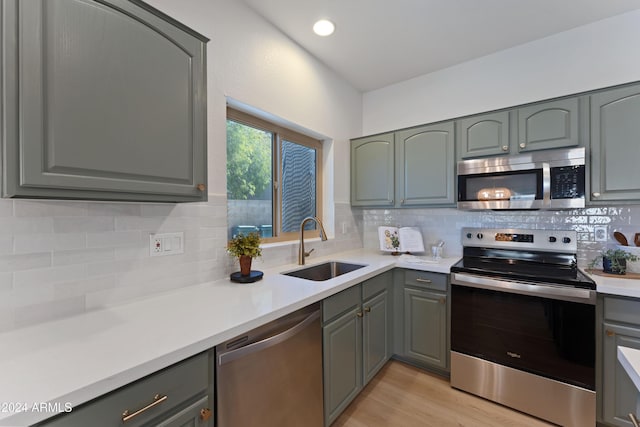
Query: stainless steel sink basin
x=326 y=271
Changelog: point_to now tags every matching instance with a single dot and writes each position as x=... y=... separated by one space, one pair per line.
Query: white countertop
x=630 y=360
x=76 y=359
x=616 y=286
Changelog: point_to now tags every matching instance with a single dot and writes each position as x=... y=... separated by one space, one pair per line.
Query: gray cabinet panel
x=111 y=103
x=425 y=330
x=425 y=165
x=342 y=362
x=484 y=135
x=548 y=125
x=615 y=151
x=375 y=334
x=619 y=394
x=372 y=171
x=188 y=417
x=182 y=383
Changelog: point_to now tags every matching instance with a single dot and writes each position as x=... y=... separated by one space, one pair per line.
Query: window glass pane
x=298 y=185
x=249 y=179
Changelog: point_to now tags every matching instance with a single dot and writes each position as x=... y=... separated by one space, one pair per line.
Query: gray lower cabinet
x=425 y=159
x=178 y=396
x=615 y=151
x=484 y=135
x=356 y=340
x=423 y=337
x=621 y=327
x=373 y=171
x=102 y=100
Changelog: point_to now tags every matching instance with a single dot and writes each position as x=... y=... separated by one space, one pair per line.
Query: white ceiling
x=381 y=42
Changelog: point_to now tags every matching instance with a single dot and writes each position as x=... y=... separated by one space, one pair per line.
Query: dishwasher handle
x=268 y=342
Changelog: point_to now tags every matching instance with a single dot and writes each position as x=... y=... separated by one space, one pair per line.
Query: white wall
x=252 y=62
x=585 y=58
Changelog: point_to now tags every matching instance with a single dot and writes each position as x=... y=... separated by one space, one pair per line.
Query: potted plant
x=245 y=247
x=614 y=261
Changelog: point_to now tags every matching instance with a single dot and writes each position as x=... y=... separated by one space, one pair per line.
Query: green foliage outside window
x=248 y=161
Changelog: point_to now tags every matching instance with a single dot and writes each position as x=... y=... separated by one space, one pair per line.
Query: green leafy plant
x=245 y=244
x=614 y=259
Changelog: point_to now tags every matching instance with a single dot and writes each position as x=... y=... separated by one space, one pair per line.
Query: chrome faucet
x=323 y=235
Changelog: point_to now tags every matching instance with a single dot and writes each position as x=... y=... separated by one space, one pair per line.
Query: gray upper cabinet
x=615 y=147
x=102 y=100
x=484 y=135
x=425 y=165
x=548 y=125
x=372 y=171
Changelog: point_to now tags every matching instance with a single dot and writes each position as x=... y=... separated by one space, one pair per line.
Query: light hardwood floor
x=404 y=396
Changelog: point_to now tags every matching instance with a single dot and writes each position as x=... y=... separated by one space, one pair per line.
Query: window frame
x=281 y=133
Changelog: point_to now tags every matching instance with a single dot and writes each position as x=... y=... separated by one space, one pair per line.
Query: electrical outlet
x=600 y=233
x=162 y=244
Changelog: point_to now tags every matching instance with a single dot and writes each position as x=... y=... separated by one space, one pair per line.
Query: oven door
x=545 y=333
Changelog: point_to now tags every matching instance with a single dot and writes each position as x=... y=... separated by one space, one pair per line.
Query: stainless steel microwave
x=551 y=179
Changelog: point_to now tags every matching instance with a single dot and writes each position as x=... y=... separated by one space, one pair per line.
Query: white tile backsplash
x=60 y=258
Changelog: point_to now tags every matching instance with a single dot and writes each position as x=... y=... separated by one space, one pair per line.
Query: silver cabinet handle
x=157 y=399
x=359 y=314
x=505 y=148
x=523 y=145
x=421 y=280
x=367 y=309
x=596 y=194
x=634 y=420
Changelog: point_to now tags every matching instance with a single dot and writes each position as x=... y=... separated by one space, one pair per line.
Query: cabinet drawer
x=425 y=279
x=180 y=383
x=341 y=302
x=622 y=310
x=377 y=284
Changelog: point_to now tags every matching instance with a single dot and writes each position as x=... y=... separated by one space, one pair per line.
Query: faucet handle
x=306 y=254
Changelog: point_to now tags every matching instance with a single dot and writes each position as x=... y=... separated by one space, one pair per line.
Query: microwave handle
x=546 y=184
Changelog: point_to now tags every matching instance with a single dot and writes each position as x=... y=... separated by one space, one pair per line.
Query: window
x=273 y=178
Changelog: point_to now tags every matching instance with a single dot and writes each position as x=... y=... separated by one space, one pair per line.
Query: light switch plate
x=163 y=244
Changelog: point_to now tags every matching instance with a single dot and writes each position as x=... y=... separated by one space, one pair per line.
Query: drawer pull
x=157 y=399
x=367 y=309
x=205 y=414
x=634 y=420
x=610 y=333
x=421 y=280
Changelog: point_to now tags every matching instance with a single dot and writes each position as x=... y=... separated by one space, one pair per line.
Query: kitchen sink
x=326 y=271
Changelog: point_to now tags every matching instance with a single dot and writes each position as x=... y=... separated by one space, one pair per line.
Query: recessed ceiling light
x=324 y=27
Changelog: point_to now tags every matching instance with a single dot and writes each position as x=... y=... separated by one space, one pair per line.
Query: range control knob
x=566 y=240
x=479 y=236
x=552 y=239
x=469 y=235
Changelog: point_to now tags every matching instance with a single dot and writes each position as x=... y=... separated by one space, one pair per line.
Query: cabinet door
x=342 y=343
x=372 y=171
x=425 y=327
x=615 y=151
x=191 y=416
x=484 y=135
x=425 y=165
x=375 y=334
x=618 y=391
x=110 y=103
x=549 y=125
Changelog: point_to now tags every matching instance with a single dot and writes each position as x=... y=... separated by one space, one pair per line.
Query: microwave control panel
x=567 y=182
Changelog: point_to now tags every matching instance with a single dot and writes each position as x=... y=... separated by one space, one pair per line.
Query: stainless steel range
x=523 y=323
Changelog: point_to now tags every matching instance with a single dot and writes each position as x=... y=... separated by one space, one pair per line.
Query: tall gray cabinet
x=615 y=147
x=101 y=100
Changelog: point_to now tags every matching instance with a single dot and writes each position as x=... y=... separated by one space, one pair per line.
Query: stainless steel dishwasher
x=272 y=375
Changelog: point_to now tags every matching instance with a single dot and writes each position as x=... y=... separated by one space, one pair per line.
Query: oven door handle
x=563 y=293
